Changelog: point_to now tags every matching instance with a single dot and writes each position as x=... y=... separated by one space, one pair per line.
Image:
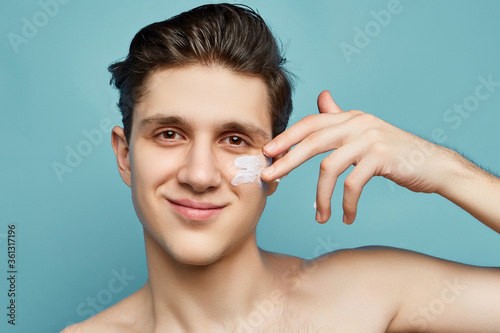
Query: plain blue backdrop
x=79 y=243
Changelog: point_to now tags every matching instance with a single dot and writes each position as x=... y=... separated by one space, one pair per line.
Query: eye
x=169 y=135
x=234 y=140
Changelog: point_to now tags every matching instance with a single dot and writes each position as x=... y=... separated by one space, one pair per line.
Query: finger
x=353 y=186
x=326 y=104
x=303 y=128
x=316 y=143
x=330 y=169
x=277 y=180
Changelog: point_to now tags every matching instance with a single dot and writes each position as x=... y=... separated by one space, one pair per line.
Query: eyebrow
x=223 y=126
x=163 y=120
x=244 y=127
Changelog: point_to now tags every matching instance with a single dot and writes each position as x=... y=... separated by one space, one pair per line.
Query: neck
x=194 y=297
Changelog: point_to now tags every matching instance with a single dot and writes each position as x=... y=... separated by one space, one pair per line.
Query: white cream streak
x=250 y=166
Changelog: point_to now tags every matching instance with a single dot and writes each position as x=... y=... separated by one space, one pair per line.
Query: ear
x=121 y=149
x=271 y=187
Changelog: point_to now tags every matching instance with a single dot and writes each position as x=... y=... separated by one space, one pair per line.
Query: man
x=206 y=88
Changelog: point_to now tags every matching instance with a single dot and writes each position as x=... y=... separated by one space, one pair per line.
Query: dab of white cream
x=250 y=166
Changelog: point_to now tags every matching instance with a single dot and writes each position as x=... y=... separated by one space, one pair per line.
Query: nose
x=200 y=171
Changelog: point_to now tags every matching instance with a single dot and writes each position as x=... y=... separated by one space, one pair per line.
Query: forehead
x=205 y=95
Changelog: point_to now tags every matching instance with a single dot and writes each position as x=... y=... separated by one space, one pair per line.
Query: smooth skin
x=205 y=271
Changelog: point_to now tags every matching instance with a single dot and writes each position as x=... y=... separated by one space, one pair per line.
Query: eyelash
x=242 y=141
x=161 y=135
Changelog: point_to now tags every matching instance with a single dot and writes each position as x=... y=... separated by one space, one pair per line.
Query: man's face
x=188 y=129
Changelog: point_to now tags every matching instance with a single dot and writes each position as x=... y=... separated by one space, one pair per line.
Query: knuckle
x=351 y=184
x=366 y=118
x=309 y=120
x=373 y=134
x=380 y=149
x=330 y=164
x=356 y=112
x=313 y=140
x=325 y=165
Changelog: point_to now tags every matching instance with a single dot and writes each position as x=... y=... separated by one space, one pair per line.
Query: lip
x=195 y=210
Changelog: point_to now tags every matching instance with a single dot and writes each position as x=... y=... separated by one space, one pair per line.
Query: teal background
x=76 y=233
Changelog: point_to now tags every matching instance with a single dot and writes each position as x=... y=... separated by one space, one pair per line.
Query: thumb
x=326 y=104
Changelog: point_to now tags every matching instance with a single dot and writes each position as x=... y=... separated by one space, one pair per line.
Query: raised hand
x=373 y=146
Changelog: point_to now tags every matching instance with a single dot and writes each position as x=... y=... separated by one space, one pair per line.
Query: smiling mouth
x=198 y=211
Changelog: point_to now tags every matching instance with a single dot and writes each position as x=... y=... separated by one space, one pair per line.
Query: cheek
x=152 y=167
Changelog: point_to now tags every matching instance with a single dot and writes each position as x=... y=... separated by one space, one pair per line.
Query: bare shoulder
x=375 y=261
x=363 y=285
x=347 y=265
x=386 y=268
x=127 y=316
x=361 y=268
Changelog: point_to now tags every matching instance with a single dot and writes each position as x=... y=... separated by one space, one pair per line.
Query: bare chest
x=269 y=317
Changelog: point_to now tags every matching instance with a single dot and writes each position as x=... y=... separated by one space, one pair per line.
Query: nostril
x=200 y=173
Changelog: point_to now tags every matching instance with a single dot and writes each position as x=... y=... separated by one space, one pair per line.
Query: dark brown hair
x=233 y=36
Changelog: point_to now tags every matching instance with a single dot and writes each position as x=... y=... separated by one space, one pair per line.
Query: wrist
x=457 y=172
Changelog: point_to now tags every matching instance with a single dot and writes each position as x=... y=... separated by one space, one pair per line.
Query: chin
x=196 y=256
x=200 y=251
x=198 y=248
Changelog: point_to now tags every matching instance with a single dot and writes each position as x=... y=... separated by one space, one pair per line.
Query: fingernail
x=268 y=171
x=270 y=146
x=344 y=219
x=318 y=216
